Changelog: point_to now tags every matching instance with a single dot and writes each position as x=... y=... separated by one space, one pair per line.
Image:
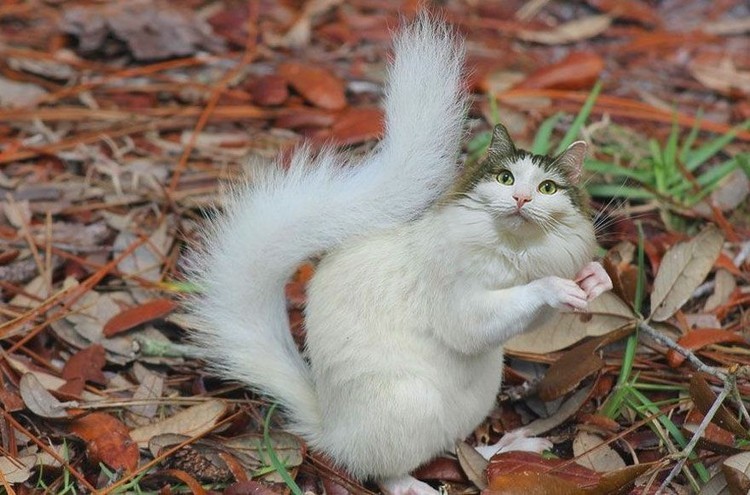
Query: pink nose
x=521 y=200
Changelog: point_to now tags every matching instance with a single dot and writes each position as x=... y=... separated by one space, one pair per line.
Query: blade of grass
x=575 y=128
x=275 y=462
x=542 y=141
x=614 y=190
x=687 y=145
x=699 y=156
x=600 y=167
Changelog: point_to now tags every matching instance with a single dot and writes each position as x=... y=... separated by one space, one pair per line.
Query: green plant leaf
x=701 y=155
x=575 y=128
x=542 y=142
x=614 y=190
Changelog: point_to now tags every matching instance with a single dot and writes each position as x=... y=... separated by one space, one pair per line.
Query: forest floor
x=120 y=121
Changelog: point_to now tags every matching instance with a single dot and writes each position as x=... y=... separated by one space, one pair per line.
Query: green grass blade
x=687 y=145
x=577 y=125
x=615 y=191
x=673 y=175
x=542 y=142
x=657 y=165
x=699 y=156
x=600 y=167
x=275 y=462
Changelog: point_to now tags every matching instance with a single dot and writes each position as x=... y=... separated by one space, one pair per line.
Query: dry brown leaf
x=724 y=285
x=192 y=421
x=16 y=469
x=704 y=398
x=565 y=411
x=569 y=32
x=736 y=470
x=138 y=315
x=592 y=452
x=150 y=30
x=682 y=269
x=316 y=84
x=86 y=365
x=606 y=313
x=579 y=70
x=38 y=399
x=14 y=94
x=107 y=440
x=473 y=464
x=723 y=77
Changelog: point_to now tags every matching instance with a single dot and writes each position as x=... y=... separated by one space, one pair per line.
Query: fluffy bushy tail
x=285 y=216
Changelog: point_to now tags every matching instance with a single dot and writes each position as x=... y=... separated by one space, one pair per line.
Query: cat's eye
x=548 y=187
x=505 y=178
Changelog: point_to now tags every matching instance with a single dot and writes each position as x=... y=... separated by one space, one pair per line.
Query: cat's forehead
x=533 y=168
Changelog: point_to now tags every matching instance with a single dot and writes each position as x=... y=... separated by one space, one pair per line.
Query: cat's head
x=523 y=191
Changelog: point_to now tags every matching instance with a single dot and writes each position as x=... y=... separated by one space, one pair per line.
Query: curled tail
x=285 y=216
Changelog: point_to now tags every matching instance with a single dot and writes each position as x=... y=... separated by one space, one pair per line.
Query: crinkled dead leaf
x=683 y=268
x=606 y=313
x=107 y=440
x=579 y=70
x=192 y=421
x=569 y=32
x=724 y=285
x=14 y=94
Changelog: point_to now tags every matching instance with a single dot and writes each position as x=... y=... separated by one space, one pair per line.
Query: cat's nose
x=521 y=199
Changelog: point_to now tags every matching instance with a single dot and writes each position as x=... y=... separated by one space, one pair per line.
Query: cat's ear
x=501 y=144
x=570 y=161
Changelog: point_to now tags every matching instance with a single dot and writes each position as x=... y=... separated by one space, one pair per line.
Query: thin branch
x=690 y=356
x=698 y=434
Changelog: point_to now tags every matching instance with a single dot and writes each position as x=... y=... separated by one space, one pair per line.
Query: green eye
x=505 y=178
x=548 y=187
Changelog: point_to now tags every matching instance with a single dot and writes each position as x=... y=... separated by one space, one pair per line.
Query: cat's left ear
x=570 y=161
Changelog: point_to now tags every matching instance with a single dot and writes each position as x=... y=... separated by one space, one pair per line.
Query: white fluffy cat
x=427 y=273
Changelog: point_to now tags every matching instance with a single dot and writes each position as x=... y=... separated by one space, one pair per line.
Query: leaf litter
x=120 y=121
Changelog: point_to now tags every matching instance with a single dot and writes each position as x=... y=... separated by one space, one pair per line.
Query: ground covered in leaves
x=120 y=120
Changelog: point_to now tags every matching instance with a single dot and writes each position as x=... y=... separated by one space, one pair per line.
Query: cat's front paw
x=594 y=280
x=562 y=293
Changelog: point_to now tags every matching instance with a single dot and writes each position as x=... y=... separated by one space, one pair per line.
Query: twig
x=728 y=387
x=692 y=358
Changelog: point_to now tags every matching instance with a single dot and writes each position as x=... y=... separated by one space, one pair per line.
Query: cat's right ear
x=501 y=144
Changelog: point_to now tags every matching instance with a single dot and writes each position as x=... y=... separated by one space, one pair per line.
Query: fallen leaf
x=736 y=470
x=577 y=71
x=138 y=315
x=606 y=313
x=704 y=398
x=441 y=469
x=250 y=487
x=567 y=409
x=107 y=440
x=38 y=399
x=16 y=470
x=192 y=421
x=592 y=451
x=149 y=30
x=87 y=365
x=14 y=94
x=270 y=90
x=682 y=269
x=316 y=84
x=724 y=285
x=723 y=77
x=634 y=10
x=356 y=125
x=569 y=32
x=473 y=464
x=700 y=338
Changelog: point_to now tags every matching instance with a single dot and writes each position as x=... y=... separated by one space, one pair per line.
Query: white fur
x=408 y=311
x=283 y=217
